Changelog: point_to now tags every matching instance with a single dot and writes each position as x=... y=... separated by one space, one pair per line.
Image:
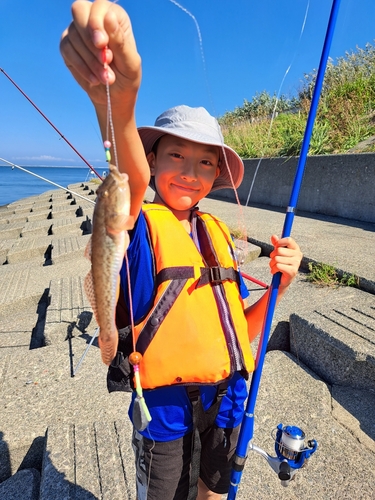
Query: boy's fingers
x=81 y=62
x=110 y=26
x=122 y=43
x=283 y=242
x=89 y=27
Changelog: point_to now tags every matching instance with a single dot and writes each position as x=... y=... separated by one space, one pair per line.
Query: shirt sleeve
x=243 y=288
x=139 y=258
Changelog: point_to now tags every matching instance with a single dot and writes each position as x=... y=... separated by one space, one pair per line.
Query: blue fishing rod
x=290 y=449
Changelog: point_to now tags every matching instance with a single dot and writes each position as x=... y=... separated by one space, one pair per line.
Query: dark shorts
x=163 y=468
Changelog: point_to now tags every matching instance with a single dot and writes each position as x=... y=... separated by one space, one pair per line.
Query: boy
x=190 y=321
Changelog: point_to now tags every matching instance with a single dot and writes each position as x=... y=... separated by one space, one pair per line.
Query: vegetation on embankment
x=345 y=117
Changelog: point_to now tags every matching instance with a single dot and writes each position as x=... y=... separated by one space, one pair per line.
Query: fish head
x=113 y=200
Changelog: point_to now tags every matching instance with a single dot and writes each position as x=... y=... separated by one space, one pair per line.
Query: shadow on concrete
x=280 y=338
x=37 y=335
x=55 y=485
x=34 y=456
x=83 y=321
x=360 y=404
x=5 y=466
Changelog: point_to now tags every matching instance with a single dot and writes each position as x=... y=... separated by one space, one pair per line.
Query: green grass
x=326 y=275
x=345 y=117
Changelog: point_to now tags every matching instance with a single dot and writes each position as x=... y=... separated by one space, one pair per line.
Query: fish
x=106 y=250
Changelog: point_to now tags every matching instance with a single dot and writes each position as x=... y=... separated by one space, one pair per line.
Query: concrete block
x=68 y=225
x=60 y=194
x=68 y=307
x=5 y=245
x=14 y=288
x=87 y=462
x=41 y=206
x=69 y=248
x=86 y=459
x=64 y=210
x=58 y=464
x=10 y=231
x=59 y=203
x=336 y=341
x=42 y=214
x=36 y=228
x=354 y=409
x=110 y=461
x=25 y=249
x=22 y=209
x=341 y=468
x=11 y=218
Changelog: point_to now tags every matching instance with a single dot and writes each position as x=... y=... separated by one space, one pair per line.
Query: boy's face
x=184 y=171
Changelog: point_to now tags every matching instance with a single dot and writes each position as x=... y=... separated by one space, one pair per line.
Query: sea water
x=16 y=184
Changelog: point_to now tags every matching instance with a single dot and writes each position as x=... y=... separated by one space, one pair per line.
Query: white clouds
x=42 y=158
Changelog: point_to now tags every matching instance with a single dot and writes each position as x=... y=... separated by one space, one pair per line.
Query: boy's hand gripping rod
x=290 y=450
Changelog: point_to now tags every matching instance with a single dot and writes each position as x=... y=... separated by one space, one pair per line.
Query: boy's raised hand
x=285 y=258
x=96 y=25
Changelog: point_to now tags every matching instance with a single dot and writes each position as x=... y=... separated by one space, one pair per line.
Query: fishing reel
x=290 y=450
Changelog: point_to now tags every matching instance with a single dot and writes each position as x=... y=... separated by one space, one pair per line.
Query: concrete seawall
x=64 y=437
x=336 y=185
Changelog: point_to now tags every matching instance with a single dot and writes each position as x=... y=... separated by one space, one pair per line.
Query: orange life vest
x=196 y=330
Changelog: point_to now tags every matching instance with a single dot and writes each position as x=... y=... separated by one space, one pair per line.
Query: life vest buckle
x=215 y=275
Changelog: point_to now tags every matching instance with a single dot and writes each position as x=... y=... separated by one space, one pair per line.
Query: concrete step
x=68 y=308
x=37 y=390
x=342 y=467
x=77 y=225
x=39 y=214
x=54 y=248
x=95 y=460
x=337 y=339
x=5 y=245
x=12 y=217
x=68 y=248
x=24 y=283
x=11 y=230
x=88 y=461
x=25 y=249
x=65 y=210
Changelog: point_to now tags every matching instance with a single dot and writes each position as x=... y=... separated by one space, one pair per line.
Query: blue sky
x=247 y=45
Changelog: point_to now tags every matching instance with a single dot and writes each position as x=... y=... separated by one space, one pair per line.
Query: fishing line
x=241 y=217
x=13 y=165
x=52 y=125
x=277 y=101
x=184 y=9
x=141 y=415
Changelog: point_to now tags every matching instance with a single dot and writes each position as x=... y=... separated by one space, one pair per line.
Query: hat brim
x=231 y=169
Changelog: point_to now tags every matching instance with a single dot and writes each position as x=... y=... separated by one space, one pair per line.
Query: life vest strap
x=174 y=273
x=213 y=275
x=218 y=274
x=202 y=420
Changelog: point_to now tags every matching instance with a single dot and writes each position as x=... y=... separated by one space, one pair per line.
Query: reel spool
x=290 y=450
x=290 y=442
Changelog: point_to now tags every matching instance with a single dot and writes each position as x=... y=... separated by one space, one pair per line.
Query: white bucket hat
x=196 y=124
